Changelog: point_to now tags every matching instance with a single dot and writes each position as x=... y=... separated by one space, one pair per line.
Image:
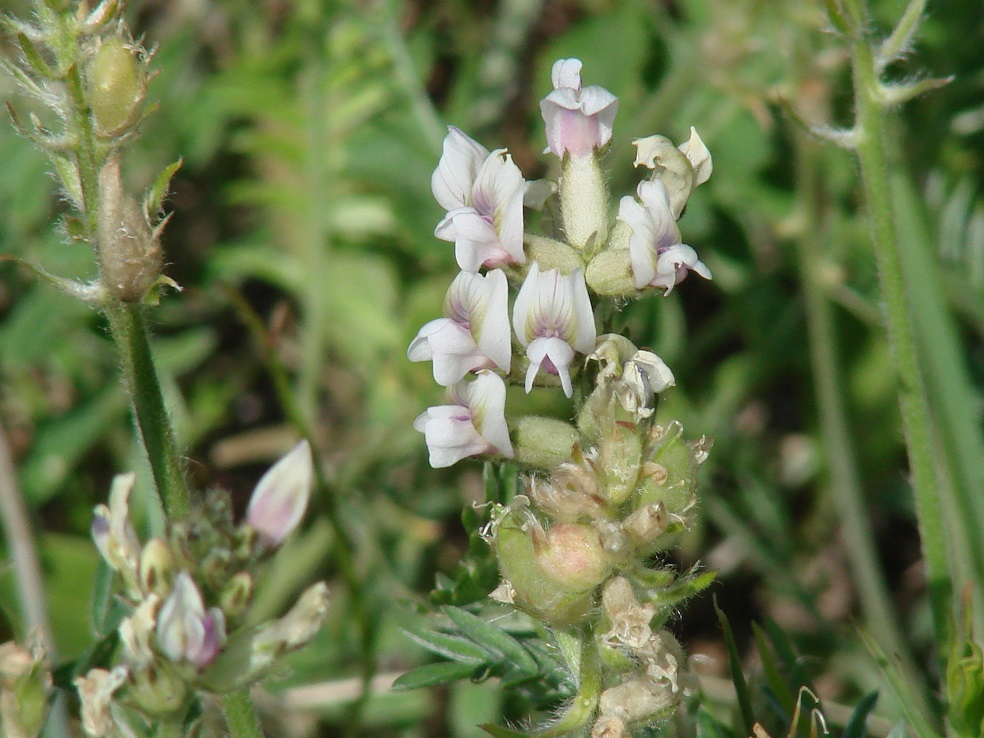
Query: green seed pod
x=115 y=84
x=543 y=442
x=536 y=591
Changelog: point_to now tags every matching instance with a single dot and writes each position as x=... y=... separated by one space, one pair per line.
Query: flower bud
x=584 y=202
x=281 y=496
x=25 y=681
x=533 y=591
x=115 y=85
x=609 y=273
x=130 y=256
x=670 y=474
x=552 y=254
x=114 y=535
x=156 y=568
x=573 y=557
x=543 y=442
x=237 y=594
x=158 y=690
x=185 y=631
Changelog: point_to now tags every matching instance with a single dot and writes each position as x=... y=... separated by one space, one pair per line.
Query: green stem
x=240 y=715
x=913 y=399
x=127 y=327
x=585 y=702
x=126 y=323
x=845 y=484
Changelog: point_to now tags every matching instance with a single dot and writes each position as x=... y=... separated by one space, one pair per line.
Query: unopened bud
x=609 y=273
x=158 y=690
x=529 y=586
x=299 y=625
x=156 y=568
x=115 y=83
x=25 y=681
x=130 y=256
x=237 y=594
x=185 y=631
x=584 y=201
x=543 y=442
x=574 y=558
x=281 y=496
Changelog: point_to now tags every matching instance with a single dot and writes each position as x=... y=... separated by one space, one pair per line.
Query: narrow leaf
x=497 y=644
x=900 y=40
x=900 y=686
x=837 y=18
x=154 y=199
x=449 y=646
x=778 y=686
x=737 y=677
x=857 y=726
x=34 y=58
x=433 y=675
x=500 y=731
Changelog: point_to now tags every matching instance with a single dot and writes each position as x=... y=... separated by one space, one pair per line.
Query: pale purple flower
x=112 y=531
x=658 y=258
x=553 y=319
x=483 y=194
x=578 y=120
x=185 y=631
x=473 y=335
x=281 y=496
x=472 y=423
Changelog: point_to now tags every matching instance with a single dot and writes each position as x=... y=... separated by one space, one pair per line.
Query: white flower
x=578 y=120
x=474 y=334
x=185 y=632
x=473 y=422
x=112 y=531
x=281 y=496
x=681 y=168
x=553 y=319
x=657 y=256
x=96 y=690
x=483 y=194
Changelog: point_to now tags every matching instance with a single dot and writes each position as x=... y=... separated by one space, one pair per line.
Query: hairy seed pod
x=129 y=254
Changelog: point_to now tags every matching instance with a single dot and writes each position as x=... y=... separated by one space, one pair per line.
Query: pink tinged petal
x=673 y=264
x=281 y=496
x=476 y=242
x=457 y=171
x=602 y=106
x=213 y=637
x=553 y=355
x=455 y=353
x=179 y=626
x=566 y=73
x=498 y=197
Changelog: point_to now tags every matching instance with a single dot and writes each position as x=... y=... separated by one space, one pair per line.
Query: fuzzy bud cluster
x=188 y=594
x=603 y=493
x=82 y=65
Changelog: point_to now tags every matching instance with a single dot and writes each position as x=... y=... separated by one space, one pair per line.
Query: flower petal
x=457 y=170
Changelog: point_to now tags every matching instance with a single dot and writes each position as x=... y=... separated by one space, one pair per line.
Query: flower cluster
x=603 y=494
x=187 y=595
x=475 y=348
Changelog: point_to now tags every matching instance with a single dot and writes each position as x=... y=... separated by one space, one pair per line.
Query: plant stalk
x=240 y=715
x=913 y=399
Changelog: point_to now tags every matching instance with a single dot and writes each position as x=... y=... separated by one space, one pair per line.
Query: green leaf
x=778 y=686
x=734 y=663
x=433 y=675
x=154 y=199
x=500 y=646
x=449 y=646
x=857 y=726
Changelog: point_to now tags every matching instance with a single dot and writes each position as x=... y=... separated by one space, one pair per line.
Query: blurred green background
x=303 y=230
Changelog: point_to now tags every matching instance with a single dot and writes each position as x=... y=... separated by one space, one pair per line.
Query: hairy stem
x=240 y=715
x=913 y=399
